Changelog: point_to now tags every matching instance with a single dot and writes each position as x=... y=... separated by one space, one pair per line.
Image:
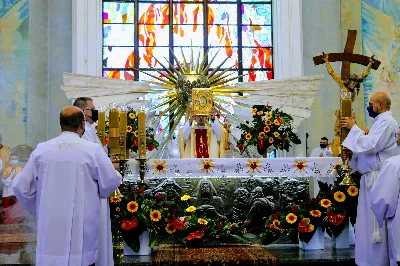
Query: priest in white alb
x=62 y=184
x=385 y=203
x=323 y=150
x=203 y=139
x=368 y=152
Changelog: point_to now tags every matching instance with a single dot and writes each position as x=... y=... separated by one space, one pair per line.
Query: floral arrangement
x=269 y=127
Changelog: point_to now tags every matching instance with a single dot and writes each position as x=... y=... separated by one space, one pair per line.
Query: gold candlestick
x=142 y=134
x=101 y=126
x=345 y=111
x=122 y=132
x=114 y=134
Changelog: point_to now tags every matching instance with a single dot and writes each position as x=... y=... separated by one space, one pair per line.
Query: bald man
x=367 y=153
x=62 y=184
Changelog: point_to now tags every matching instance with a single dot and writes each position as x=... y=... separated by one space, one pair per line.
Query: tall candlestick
x=345 y=111
x=122 y=132
x=114 y=132
x=142 y=134
x=101 y=126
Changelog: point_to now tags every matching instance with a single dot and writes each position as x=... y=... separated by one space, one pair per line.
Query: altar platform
x=289 y=255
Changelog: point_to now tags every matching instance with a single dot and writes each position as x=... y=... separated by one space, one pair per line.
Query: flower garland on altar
x=269 y=127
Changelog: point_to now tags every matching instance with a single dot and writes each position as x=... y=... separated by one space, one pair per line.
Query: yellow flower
x=170 y=228
x=128 y=129
x=260 y=112
x=159 y=166
x=276 y=223
x=339 y=196
x=310 y=228
x=268 y=116
x=107 y=124
x=133 y=206
x=254 y=111
x=248 y=136
x=136 y=133
x=253 y=165
x=206 y=165
x=268 y=122
x=191 y=209
x=115 y=199
x=315 y=213
x=155 y=215
x=325 y=203
x=132 y=116
x=276 y=134
x=291 y=218
x=271 y=140
x=185 y=197
x=267 y=129
x=276 y=122
x=261 y=135
x=202 y=221
x=353 y=191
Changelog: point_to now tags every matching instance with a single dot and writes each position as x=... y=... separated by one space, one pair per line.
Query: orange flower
x=339 y=196
x=248 y=136
x=136 y=133
x=276 y=134
x=267 y=129
x=170 y=228
x=268 y=122
x=291 y=218
x=155 y=215
x=133 y=206
x=315 y=213
x=353 y=191
x=261 y=135
x=202 y=221
x=268 y=115
x=276 y=122
x=128 y=129
x=276 y=223
x=260 y=112
x=271 y=140
x=115 y=199
x=325 y=203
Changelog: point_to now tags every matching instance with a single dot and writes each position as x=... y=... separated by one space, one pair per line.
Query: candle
x=122 y=132
x=142 y=134
x=101 y=126
x=345 y=111
x=114 y=132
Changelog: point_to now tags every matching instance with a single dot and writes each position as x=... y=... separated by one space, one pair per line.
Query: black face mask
x=323 y=146
x=95 y=115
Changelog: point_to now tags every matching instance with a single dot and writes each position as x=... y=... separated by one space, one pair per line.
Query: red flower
x=260 y=143
x=198 y=234
x=129 y=224
x=279 y=119
x=336 y=218
x=133 y=223
x=135 y=143
x=165 y=205
x=125 y=225
x=159 y=196
x=333 y=191
x=218 y=225
x=218 y=116
x=247 y=222
x=139 y=191
x=205 y=229
x=150 y=146
x=233 y=226
x=295 y=208
x=240 y=147
x=178 y=223
x=172 y=210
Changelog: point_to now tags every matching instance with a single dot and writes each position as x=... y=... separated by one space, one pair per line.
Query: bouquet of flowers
x=311 y=215
x=280 y=223
x=132 y=134
x=269 y=127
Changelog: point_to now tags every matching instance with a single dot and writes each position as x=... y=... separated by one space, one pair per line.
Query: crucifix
x=349 y=83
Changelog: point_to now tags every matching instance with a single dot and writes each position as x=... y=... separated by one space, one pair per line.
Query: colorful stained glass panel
x=118 y=57
x=256 y=75
x=257 y=57
x=119 y=34
x=186 y=35
x=188 y=14
x=222 y=14
x=187 y=52
x=115 y=12
x=222 y=35
x=153 y=13
x=221 y=54
x=119 y=74
x=146 y=54
x=153 y=35
x=254 y=35
x=256 y=14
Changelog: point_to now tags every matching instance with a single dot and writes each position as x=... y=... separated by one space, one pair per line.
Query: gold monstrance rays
x=179 y=82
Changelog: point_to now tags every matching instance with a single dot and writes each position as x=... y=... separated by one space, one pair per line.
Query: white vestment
x=321 y=152
x=105 y=235
x=62 y=184
x=187 y=143
x=384 y=202
x=369 y=152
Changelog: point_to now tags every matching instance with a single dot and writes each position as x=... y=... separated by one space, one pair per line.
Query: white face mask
x=13 y=163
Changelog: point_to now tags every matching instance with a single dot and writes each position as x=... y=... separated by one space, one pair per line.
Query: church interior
x=225 y=118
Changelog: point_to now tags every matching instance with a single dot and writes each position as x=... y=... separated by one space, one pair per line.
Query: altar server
x=384 y=202
x=201 y=140
x=368 y=154
x=323 y=150
x=62 y=184
x=105 y=238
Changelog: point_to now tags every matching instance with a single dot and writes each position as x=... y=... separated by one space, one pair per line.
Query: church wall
x=321 y=33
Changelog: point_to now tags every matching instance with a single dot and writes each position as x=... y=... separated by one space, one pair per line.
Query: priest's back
x=62 y=184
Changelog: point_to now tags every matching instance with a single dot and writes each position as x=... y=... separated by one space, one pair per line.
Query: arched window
x=135 y=31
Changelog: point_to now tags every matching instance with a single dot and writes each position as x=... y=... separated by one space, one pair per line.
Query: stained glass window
x=145 y=34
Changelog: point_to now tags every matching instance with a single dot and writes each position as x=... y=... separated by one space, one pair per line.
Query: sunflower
x=132 y=116
x=107 y=124
x=261 y=135
x=267 y=129
x=268 y=116
x=271 y=140
x=339 y=196
x=248 y=136
x=202 y=221
x=260 y=112
x=325 y=203
x=155 y=215
x=268 y=122
x=128 y=129
x=276 y=134
x=170 y=228
x=276 y=122
x=276 y=223
x=185 y=197
x=191 y=209
x=136 y=133
x=291 y=218
x=132 y=206
x=353 y=191
x=115 y=199
x=254 y=111
x=315 y=213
